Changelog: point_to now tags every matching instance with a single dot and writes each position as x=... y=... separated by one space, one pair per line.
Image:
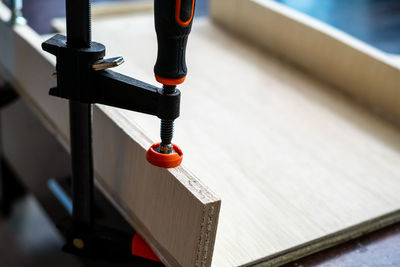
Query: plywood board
x=299 y=166
x=171 y=208
x=343 y=61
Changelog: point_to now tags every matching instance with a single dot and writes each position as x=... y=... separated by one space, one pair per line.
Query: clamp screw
x=167 y=127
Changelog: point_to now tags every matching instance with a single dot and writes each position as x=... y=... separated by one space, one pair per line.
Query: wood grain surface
x=299 y=166
x=376 y=24
x=365 y=72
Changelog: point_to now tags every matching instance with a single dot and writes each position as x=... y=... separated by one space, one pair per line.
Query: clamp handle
x=173 y=21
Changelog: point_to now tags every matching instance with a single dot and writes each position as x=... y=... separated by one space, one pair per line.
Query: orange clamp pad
x=167 y=81
x=164 y=160
x=141 y=249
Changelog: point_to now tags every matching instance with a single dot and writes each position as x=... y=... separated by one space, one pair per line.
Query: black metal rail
x=79 y=36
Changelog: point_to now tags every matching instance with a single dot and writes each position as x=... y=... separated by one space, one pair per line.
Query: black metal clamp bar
x=78 y=37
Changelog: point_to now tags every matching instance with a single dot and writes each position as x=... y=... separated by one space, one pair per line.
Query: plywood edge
x=206 y=237
x=210 y=203
x=357 y=68
x=27 y=67
x=205 y=248
x=164 y=255
x=329 y=241
x=209 y=222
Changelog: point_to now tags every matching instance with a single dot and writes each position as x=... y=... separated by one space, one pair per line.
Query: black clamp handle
x=173 y=21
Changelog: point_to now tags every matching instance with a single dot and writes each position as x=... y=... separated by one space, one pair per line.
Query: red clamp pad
x=164 y=160
x=141 y=249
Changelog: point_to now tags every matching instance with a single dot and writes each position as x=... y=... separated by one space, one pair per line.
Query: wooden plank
x=359 y=69
x=299 y=166
x=168 y=207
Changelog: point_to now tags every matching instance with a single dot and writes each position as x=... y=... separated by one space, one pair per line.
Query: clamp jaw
x=78 y=80
x=82 y=79
x=83 y=76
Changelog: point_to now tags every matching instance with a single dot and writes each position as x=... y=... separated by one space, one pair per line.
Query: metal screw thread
x=167 y=127
x=78 y=20
x=167 y=131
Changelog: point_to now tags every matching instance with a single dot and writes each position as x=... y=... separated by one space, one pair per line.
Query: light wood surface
x=359 y=69
x=171 y=208
x=299 y=166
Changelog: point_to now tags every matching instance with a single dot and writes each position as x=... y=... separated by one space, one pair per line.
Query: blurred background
x=376 y=22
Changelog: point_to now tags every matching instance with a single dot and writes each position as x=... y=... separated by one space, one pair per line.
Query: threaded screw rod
x=167 y=127
x=79 y=36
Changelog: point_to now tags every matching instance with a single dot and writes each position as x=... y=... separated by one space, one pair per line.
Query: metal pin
x=103 y=64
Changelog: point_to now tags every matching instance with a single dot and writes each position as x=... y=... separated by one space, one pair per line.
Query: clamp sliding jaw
x=82 y=76
x=78 y=80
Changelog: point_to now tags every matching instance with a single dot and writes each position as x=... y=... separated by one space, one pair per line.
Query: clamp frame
x=79 y=82
x=82 y=82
